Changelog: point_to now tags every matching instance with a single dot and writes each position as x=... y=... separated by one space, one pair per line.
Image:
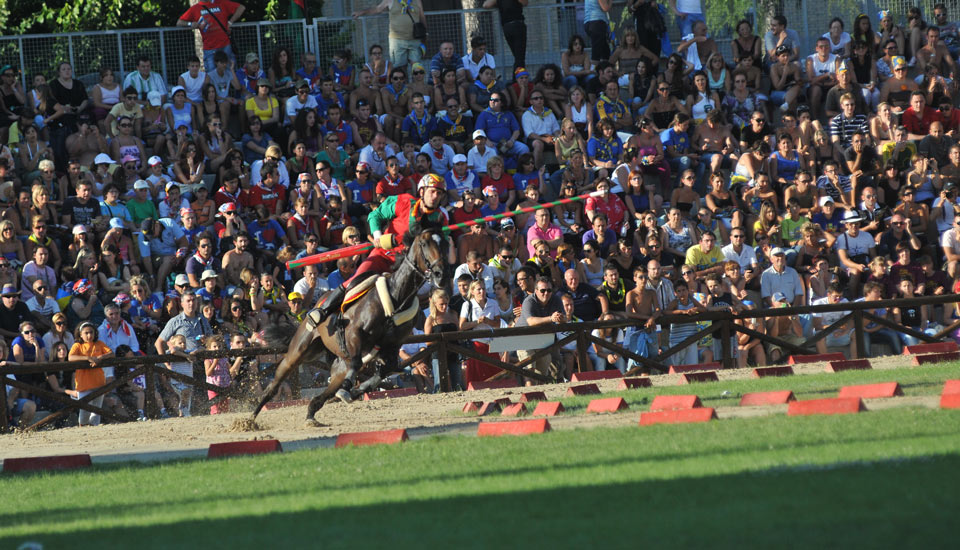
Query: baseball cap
x=507 y=222
x=898 y=61
x=181 y=280
x=171 y=184
x=121 y=299
x=176 y=89
x=303 y=84
x=155 y=98
x=78 y=229
x=458 y=158
x=479 y=133
x=251 y=57
x=141 y=184
x=103 y=158
x=364 y=166
x=294 y=296
x=128 y=158
x=782 y=49
x=208 y=274
x=227 y=207
x=777 y=251
x=264 y=82
x=116 y=223
x=154 y=160
x=489 y=191
x=779 y=297
x=825 y=200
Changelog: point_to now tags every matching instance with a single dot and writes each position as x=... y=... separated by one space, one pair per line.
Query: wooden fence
x=440 y=344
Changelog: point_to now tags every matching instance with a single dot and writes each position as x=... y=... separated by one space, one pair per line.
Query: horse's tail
x=279 y=334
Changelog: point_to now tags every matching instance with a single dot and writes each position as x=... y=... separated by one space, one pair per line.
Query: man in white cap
x=782 y=279
x=140 y=206
x=460 y=178
x=481 y=153
x=855 y=249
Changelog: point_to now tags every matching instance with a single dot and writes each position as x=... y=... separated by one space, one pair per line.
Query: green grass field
x=876 y=479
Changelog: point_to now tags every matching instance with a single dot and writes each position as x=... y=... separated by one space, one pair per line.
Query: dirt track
x=422 y=414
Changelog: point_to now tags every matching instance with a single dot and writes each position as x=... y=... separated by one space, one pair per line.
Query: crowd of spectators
x=139 y=217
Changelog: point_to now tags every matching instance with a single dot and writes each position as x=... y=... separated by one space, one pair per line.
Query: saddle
x=357 y=292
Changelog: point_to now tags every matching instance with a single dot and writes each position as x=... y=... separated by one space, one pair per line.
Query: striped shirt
x=844 y=127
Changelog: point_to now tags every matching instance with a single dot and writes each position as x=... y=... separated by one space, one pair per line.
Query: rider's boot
x=331 y=303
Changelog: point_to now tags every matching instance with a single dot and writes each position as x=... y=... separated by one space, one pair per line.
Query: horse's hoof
x=311 y=423
x=344 y=395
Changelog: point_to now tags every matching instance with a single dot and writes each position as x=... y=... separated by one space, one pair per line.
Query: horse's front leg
x=354 y=365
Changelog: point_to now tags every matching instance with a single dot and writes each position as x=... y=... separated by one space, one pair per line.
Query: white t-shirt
x=951 y=240
x=745 y=258
x=471 y=311
x=689 y=6
x=294 y=106
x=855 y=246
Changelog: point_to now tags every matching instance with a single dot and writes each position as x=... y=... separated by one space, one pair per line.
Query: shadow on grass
x=882 y=504
x=334 y=481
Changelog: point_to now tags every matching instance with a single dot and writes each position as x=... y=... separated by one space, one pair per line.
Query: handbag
x=419 y=29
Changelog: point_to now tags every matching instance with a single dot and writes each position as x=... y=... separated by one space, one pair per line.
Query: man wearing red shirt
x=950 y=117
x=267 y=192
x=214 y=19
x=917 y=118
x=393 y=183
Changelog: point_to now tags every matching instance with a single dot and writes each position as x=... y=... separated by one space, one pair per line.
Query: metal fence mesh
x=549 y=30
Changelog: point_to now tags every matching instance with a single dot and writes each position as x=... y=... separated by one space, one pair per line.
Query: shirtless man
x=236 y=259
x=935 y=53
x=642 y=306
x=87 y=143
x=716 y=142
x=366 y=91
x=395 y=103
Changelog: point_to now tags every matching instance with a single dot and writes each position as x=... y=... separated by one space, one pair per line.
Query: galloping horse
x=364 y=331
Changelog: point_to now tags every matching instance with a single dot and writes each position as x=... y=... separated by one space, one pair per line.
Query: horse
x=364 y=331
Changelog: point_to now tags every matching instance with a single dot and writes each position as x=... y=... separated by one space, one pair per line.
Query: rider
x=395 y=217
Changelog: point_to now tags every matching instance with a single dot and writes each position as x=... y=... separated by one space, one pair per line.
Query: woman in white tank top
x=106 y=94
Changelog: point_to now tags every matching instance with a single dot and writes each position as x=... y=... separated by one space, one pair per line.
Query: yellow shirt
x=701 y=261
x=264 y=114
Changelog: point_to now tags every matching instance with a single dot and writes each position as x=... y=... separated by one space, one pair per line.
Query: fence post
x=23 y=65
x=163 y=57
x=582 y=344
x=726 y=351
x=150 y=405
x=4 y=425
x=443 y=366
x=73 y=63
x=858 y=333
x=120 y=57
x=259 y=44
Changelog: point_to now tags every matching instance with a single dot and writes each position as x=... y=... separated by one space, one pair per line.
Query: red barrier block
x=589 y=376
x=704 y=414
x=767 y=398
x=400 y=392
x=235 y=448
x=515 y=427
x=871 y=391
x=530 y=396
x=488 y=407
x=583 y=389
x=947 y=401
x=38 y=463
x=671 y=402
x=836 y=405
x=691 y=377
x=852 y=364
x=633 y=383
x=472 y=406
x=548 y=408
x=282 y=404
x=935 y=357
x=516 y=409
x=937 y=347
x=799 y=359
x=384 y=437
x=699 y=367
x=610 y=404
x=493 y=384
x=763 y=372
x=951 y=386
x=503 y=402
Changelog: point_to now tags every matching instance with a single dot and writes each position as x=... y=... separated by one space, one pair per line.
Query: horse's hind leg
x=338 y=372
x=344 y=394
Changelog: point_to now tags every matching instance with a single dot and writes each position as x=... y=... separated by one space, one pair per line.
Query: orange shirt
x=89 y=379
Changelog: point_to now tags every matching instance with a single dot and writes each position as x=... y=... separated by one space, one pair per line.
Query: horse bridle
x=432 y=266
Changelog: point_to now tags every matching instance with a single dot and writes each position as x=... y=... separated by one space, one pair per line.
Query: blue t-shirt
x=498 y=126
x=362 y=194
x=250 y=156
x=833 y=223
x=485 y=210
x=29 y=352
x=604 y=152
x=166 y=245
x=267 y=234
x=522 y=181
x=469 y=181
x=679 y=140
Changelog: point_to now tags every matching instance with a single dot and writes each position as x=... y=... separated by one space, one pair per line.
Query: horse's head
x=429 y=252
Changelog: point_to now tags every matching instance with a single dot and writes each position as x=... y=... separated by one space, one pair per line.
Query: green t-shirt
x=790 y=229
x=140 y=211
